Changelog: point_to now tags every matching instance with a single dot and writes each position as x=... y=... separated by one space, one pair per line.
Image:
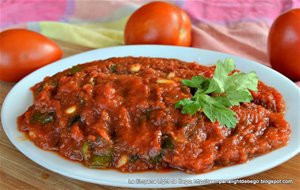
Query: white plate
x=20 y=97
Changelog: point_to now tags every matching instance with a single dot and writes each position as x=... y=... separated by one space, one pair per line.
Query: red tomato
x=284 y=44
x=159 y=23
x=23 y=51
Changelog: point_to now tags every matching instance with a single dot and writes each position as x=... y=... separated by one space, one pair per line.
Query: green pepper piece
x=73 y=120
x=156 y=159
x=133 y=158
x=75 y=69
x=38 y=89
x=85 y=148
x=43 y=118
x=167 y=143
x=100 y=161
x=113 y=68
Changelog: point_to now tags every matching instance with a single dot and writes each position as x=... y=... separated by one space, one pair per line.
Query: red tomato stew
x=120 y=113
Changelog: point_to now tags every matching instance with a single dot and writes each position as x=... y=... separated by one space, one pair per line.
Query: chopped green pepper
x=73 y=120
x=133 y=158
x=113 y=68
x=167 y=143
x=100 y=161
x=53 y=83
x=85 y=148
x=41 y=86
x=75 y=69
x=43 y=118
x=156 y=159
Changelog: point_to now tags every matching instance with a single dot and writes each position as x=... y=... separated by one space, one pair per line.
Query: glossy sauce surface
x=120 y=113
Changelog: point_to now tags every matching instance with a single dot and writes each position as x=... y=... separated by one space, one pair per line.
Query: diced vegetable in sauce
x=42 y=118
x=73 y=120
x=133 y=158
x=85 y=149
x=167 y=143
x=113 y=68
x=74 y=70
x=101 y=161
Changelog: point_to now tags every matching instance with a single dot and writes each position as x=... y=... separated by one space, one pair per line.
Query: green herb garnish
x=214 y=96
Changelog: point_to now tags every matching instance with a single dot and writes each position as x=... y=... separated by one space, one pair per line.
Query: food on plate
x=121 y=113
x=284 y=44
x=214 y=96
x=23 y=51
x=159 y=23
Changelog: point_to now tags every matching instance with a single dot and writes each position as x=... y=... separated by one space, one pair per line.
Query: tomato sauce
x=120 y=113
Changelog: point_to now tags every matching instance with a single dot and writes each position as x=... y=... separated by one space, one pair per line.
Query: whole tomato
x=284 y=44
x=23 y=51
x=159 y=23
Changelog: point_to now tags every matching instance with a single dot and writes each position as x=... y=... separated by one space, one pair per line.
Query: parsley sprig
x=214 y=96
